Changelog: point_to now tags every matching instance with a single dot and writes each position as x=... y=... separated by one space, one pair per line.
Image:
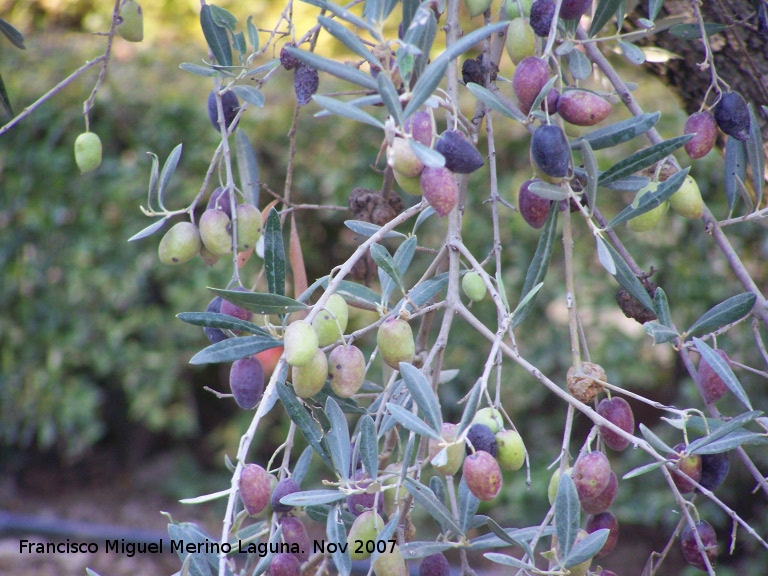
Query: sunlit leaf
x=198 y=70
x=346 y=37
x=700 y=445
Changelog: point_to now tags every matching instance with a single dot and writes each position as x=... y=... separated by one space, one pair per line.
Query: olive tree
x=369 y=401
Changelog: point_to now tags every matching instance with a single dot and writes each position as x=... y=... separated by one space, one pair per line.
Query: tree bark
x=740 y=52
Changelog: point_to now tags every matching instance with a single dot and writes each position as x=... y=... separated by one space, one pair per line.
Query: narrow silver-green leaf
x=423 y=292
x=627 y=280
x=253 y=34
x=385 y=535
x=233 y=349
x=722 y=369
x=654 y=7
x=659 y=332
x=579 y=65
x=640 y=470
x=428 y=156
x=198 y=70
x=661 y=306
x=313 y=497
x=223 y=17
x=369 y=446
x=216 y=37
x=274 y=543
x=428 y=82
x=642 y=159
x=468 y=505
x=334 y=68
x=495 y=103
x=247 y=167
x=755 y=155
x=567 y=514
x=632 y=53
x=261 y=302
x=422 y=394
x=509 y=561
x=320 y=513
x=225 y=321
x=415 y=550
x=347 y=16
x=548 y=191
x=299 y=415
x=402 y=259
x=592 y=172
x=337 y=533
x=367 y=229
x=427 y=500
x=586 y=548
x=154 y=176
x=274 y=254
x=167 y=173
x=386 y=264
x=337 y=439
x=435 y=71
x=698 y=445
x=735 y=168
x=604 y=12
x=411 y=421
x=543 y=94
x=724 y=313
x=390 y=97
x=149 y=230
x=345 y=110
x=693 y=31
x=346 y=37
x=470 y=408
x=605 y=257
x=539 y=264
x=651 y=200
x=14 y=36
x=249 y=94
x=426 y=213
x=301 y=467
x=619 y=132
x=654 y=440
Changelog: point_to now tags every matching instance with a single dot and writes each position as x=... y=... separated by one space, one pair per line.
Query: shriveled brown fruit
x=632 y=308
x=583 y=384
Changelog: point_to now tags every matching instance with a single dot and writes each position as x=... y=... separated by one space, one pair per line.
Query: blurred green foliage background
x=89 y=346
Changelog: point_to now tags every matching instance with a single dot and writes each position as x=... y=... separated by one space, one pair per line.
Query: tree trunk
x=740 y=52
